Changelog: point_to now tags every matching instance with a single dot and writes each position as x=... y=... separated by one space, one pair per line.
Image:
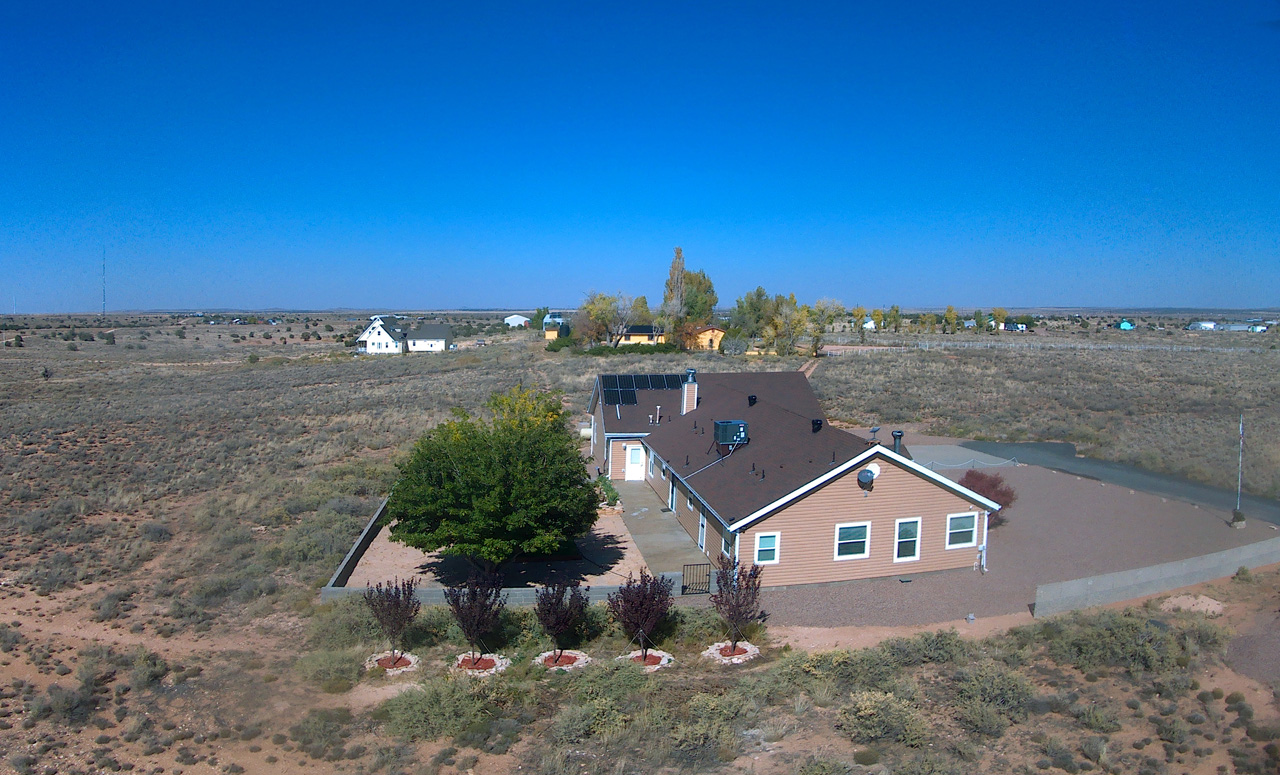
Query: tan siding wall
x=808 y=529
x=617 y=460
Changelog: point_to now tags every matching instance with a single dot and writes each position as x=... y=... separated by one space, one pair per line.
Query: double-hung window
x=767 y=549
x=962 y=530
x=853 y=541
x=907 y=544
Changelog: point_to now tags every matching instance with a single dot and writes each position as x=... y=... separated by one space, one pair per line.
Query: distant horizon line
x=1025 y=309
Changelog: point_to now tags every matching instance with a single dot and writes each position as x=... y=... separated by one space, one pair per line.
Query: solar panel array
x=620 y=389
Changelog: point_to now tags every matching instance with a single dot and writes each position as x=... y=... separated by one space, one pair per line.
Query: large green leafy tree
x=493 y=488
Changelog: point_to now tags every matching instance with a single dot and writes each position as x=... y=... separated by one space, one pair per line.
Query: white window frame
x=866 y=550
x=777 y=549
x=688 y=499
x=725 y=546
x=897 y=527
x=651 y=457
x=972 y=543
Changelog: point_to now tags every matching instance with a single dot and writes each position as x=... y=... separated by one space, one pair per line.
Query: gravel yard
x=1063 y=527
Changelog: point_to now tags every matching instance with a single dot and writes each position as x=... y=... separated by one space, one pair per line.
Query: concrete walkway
x=662 y=540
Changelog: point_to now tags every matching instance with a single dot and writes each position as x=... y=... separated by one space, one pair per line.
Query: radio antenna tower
x=104 y=281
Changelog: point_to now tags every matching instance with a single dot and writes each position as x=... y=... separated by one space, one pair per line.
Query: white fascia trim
x=689 y=488
x=636 y=436
x=844 y=468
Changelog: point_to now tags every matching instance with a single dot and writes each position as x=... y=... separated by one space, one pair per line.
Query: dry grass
x=1174 y=412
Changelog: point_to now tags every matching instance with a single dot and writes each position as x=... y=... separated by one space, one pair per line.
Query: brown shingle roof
x=783 y=452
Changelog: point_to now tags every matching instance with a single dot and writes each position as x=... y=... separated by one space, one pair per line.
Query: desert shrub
x=9 y=638
x=1172 y=685
x=939 y=647
x=842 y=670
x=317 y=543
x=608 y=493
x=576 y=722
x=1097 y=718
x=148 y=668
x=707 y=719
x=1172 y=730
x=1112 y=639
x=320 y=731
x=71 y=706
x=344 y=623
x=981 y=718
x=154 y=532
x=619 y=682
x=332 y=671
x=441 y=706
x=517 y=627
x=114 y=604
x=873 y=716
x=1095 y=750
x=690 y=628
x=490 y=734
x=1243 y=575
x=929 y=764
x=993 y=684
x=56 y=573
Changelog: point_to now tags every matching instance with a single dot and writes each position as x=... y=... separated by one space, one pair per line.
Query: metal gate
x=697 y=579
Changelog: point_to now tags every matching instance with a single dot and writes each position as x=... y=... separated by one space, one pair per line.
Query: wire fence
x=889 y=343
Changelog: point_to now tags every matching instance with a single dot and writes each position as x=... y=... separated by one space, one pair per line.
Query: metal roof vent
x=751 y=400
x=817 y=425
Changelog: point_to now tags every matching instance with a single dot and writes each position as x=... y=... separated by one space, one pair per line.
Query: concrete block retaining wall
x=1129 y=584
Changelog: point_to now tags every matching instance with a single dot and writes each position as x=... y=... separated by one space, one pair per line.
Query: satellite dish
x=874 y=431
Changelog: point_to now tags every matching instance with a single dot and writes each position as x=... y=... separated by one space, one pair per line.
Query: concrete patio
x=661 y=539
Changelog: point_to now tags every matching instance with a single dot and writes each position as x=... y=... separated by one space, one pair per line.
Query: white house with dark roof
x=382 y=337
x=428 y=338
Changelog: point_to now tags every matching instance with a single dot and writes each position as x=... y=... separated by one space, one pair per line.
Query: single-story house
x=1201 y=325
x=752 y=470
x=382 y=336
x=708 y=337
x=1257 y=328
x=553 y=325
x=1125 y=324
x=429 y=338
x=642 y=335
x=516 y=321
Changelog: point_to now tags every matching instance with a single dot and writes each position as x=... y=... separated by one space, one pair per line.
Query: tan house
x=642 y=335
x=751 y=469
x=708 y=338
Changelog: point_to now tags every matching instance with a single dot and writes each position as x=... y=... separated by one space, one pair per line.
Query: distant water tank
x=731 y=432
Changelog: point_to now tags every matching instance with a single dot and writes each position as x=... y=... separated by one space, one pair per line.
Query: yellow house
x=708 y=338
x=643 y=335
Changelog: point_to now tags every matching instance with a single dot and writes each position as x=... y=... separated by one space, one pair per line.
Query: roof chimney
x=897 y=442
x=689 y=391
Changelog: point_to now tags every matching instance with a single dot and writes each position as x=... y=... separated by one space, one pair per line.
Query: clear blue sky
x=512 y=155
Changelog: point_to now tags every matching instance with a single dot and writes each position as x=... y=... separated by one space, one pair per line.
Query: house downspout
x=737 y=540
x=982 y=551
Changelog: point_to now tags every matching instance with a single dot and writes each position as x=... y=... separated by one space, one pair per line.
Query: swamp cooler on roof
x=731 y=432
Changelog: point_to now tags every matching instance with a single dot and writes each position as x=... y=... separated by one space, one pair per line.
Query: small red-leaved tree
x=394 y=606
x=737 y=598
x=640 y=606
x=994 y=487
x=477 y=606
x=560 y=608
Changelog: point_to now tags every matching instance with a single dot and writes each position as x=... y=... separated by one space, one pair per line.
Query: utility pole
x=1240 y=466
x=104 y=281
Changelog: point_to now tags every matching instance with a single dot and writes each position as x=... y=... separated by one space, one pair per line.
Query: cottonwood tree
x=893 y=319
x=609 y=314
x=394 y=606
x=492 y=488
x=979 y=321
x=639 y=606
x=737 y=598
x=820 y=317
x=949 y=320
x=993 y=487
x=1000 y=314
x=560 y=608
x=859 y=315
x=877 y=317
x=477 y=607
x=789 y=323
x=753 y=312
x=688 y=300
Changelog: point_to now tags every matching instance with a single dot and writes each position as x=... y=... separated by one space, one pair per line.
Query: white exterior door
x=702 y=532
x=671 y=494
x=634 y=471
